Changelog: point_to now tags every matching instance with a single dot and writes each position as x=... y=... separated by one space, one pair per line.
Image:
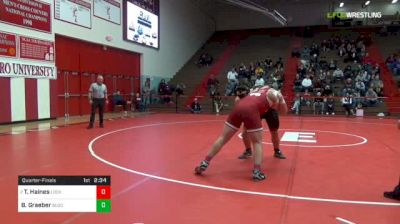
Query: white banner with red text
x=27 y=69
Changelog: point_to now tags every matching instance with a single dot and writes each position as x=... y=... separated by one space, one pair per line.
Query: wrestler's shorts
x=272 y=118
x=248 y=115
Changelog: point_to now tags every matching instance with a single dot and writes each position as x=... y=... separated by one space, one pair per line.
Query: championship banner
x=8 y=45
x=26 y=69
x=32 y=14
x=35 y=49
x=109 y=10
x=78 y=12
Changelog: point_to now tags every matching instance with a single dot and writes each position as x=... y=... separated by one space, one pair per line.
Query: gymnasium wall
x=183 y=29
x=298 y=13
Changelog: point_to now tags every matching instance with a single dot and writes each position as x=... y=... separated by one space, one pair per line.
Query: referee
x=97 y=98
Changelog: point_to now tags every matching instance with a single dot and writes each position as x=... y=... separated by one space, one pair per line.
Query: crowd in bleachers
x=255 y=74
x=320 y=81
x=335 y=71
x=393 y=63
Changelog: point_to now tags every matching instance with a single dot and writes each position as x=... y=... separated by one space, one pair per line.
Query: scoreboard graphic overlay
x=64 y=194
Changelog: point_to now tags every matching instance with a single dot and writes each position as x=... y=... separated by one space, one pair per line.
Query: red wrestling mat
x=337 y=169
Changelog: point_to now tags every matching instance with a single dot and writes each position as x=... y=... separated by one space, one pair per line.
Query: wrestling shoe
x=246 y=154
x=201 y=168
x=395 y=194
x=258 y=175
x=278 y=154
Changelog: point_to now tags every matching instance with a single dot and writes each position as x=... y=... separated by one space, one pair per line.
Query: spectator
x=138 y=103
x=307 y=98
x=279 y=64
x=372 y=98
x=332 y=65
x=366 y=78
x=346 y=91
x=259 y=82
x=330 y=106
x=358 y=100
x=359 y=77
x=327 y=91
x=195 y=108
x=243 y=72
x=318 y=105
x=379 y=92
x=348 y=84
x=209 y=59
x=212 y=85
x=277 y=79
x=305 y=54
x=347 y=102
x=232 y=76
x=360 y=87
x=376 y=70
x=180 y=88
x=338 y=74
x=317 y=87
x=341 y=51
x=268 y=63
x=297 y=103
x=297 y=83
x=323 y=63
x=161 y=87
x=118 y=100
x=307 y=83
x=146 y=92
x=329 y=77
x=205 y=60
x=167 y=94
x=301 y=70
x=324 y=45
x=218 y=104
x=376 y=82
x=259 y=71
x=395 y=67
x=390 y=59
x=348 y=72
x=322 y=75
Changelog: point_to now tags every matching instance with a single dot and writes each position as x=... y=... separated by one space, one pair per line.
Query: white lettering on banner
x=307 y=137
x=27 y=69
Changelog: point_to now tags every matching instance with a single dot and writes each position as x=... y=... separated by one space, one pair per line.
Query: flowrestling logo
x=354 y=15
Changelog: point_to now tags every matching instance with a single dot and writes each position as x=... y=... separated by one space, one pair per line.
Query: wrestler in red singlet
x=249 y=110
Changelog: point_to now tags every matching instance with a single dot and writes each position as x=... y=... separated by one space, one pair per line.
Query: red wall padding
x=5 y=100
x=117 y=66
x=76 y=55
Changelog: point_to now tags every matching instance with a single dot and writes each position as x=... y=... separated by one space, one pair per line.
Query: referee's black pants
x=97 y=102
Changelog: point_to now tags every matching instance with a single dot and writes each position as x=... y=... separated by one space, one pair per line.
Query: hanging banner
x=109 y=10
x=77 y=12
x=32 y=14
x=31 y=48
x=26 y=69
x=8 y=45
